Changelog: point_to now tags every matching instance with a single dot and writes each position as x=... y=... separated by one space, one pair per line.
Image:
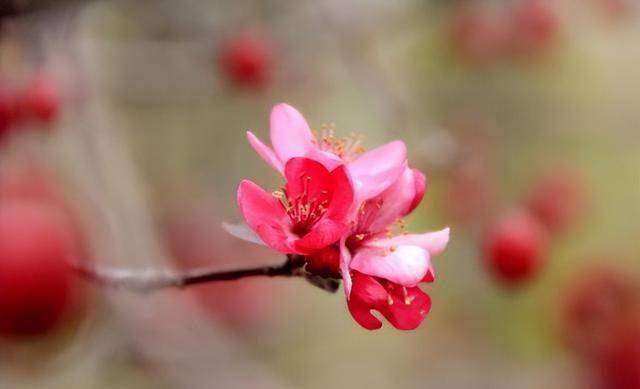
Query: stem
x=145 y=281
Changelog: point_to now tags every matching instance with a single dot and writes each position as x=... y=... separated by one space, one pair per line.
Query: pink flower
x=309 y=214
x=382 y=273
x=371 y=172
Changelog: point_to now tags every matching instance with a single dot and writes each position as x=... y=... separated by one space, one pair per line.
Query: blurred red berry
x=618 y=362
x=35 y=281
x=7 y=112
x=40 y=101
x=594 y=302
x=535 y=25
x=557 y=198
x=247 y=60
x=477 y=33
x=515 y=248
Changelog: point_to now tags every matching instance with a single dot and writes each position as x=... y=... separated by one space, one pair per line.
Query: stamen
x=347 y=148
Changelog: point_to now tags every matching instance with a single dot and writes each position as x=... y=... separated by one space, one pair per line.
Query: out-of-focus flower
x=557 y=198
x=618 y=361
x=380 y=271
x=477 y=33
x=515 y=248
x=247 y=60
x=36 y=242
x=307 y=215
x=40 y=101
x=371 y=172
x=7 y=112
x=535 y=25
x=595 y=301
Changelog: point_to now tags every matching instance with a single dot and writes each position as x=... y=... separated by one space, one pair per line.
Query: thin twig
x=145 y=281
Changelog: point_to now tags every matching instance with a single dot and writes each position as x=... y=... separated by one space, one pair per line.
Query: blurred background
x=122 y=141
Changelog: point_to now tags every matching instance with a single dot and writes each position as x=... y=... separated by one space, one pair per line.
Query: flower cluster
x=341 y=209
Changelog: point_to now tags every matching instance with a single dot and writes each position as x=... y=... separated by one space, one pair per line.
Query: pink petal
x=420 y=182
x=266 y=216
x=376 y=170
x=290 y=133
x=392 y=204
x=324 y=233
x=265 y=152
x=345 y=262
x=406 y=265
x=433 y=242
x=329 y=160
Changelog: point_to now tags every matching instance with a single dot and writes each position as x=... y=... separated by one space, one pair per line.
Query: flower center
x=347 y=148
x=303 y=209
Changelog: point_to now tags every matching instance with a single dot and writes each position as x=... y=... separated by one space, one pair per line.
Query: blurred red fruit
x=535 y=25
x=618 y=362
x=515 y=248
x=7 y=112
x=557 y=199
x=35 y=282
x=40 y=101
x=246 y=60
x=594 y=302
x=477 y=33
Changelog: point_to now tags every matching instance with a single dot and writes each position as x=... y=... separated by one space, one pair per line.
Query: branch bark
x=146 y=281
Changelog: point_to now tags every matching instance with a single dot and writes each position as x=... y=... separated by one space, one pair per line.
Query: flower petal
x=307 y=178
x=406 y=265
x=342 y=198
x=329 y=160
x=420 y=182
x=376 y=170
x=266 y=216
x=324 y=233
x=243 y=232
x=290 y=133
x=367 y=294
x=265 y=152
x=410 y=307
x=433 y=242
x=393 y=203
x=405 y=308
x=345 y=262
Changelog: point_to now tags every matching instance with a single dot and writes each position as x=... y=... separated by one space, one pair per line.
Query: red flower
x=309 y=214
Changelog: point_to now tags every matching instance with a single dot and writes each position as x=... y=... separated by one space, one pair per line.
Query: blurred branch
x=145 y=281
x=10 y=8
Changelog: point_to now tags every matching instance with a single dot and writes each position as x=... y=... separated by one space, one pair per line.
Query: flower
x=382 y=273
x=338 y=211
x=371 y=172
x=307 y=215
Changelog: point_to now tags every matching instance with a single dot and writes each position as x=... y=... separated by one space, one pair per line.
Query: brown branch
x=145 y=281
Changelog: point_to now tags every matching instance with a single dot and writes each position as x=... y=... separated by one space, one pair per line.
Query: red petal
x=307 y=177
x=342 y=198
x=265 y=215
x=404 y=308
x=324 y=233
